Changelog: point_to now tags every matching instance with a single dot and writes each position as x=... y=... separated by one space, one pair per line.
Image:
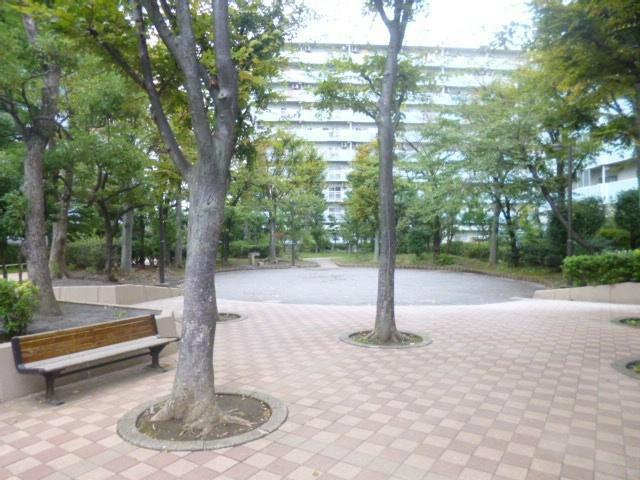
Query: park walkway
x=520 y=391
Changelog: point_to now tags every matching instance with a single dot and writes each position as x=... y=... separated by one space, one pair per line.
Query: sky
x=452 y=23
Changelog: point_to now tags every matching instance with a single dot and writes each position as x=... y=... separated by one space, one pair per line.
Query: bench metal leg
x=50 y=396
x=155 y=357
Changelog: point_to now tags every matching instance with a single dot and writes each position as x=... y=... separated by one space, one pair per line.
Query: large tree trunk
x=58 y=253
x=35 y=245
x=37 y=137
x=385 y=325
x=193 y=398
x=179 y=250
x=493 y=239
x=126 y=242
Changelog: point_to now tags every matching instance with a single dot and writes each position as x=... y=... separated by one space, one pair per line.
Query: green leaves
x=18 y=302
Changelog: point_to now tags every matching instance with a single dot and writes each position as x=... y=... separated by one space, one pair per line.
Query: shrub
x=18 y=302
x=87 y=253
x=476 y=250
x=444 y=259
x=241 y=248
x=616 y=238
x=604 y=269
x=455 y=247
x=627 y=215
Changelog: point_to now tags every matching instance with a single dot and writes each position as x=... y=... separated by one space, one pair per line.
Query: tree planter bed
x=265 y=413
x=409 y=340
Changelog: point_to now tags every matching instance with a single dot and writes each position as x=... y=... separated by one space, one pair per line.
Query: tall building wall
x=453 y=72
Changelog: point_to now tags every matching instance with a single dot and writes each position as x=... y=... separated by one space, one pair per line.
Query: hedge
x=604 y=269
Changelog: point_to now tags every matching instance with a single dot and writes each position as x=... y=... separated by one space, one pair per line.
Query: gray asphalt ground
x=357 y=286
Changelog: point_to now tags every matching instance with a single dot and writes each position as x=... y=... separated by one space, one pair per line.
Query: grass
x=545 y=276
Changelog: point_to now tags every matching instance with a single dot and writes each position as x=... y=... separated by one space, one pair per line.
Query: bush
x=604 y=269
x=627 y=215
x=616 y=238
x=241 y=248
x=87 y=253
x=476 y=250
x=444 y=259
x=455 y=247
x=18 y=302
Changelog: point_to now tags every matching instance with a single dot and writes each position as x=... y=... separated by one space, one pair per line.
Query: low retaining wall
x=628 y=292
x=15 y=385
x=125 y=294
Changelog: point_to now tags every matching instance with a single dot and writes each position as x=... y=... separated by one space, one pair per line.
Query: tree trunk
x=108 y=250
x=37 y=137
x=163 y=242
x=126 y=241
x=376 y=245
x=193 y=398
x=58 y=253
x=385 y=330
x=636 y=149
x=179 y=252
x=272 y=237
x=437 y=238
x=493 y=239
x=140 y=259
x=35 y=245
x=226 y=239
x=514 y=252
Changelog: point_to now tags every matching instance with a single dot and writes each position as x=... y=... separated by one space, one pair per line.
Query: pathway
x=514 y=391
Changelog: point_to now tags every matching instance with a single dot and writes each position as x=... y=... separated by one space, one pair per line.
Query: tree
x=434 y=171
x=191 y=79
x=362 y=200
x=385 y=330
x=627 y=215
x=591 y=48
x=30 y=73
x=288 y=181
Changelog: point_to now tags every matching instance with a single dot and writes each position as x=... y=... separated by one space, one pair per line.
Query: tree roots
x=198 y=417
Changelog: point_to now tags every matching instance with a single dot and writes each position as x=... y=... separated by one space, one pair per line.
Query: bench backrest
x=40 y=346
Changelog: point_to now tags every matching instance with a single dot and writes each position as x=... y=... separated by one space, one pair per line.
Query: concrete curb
x=128 y=431
x=346 y=338
x=455 y=269
x=621 y=366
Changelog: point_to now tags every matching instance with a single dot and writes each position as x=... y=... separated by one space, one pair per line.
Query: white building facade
x=612 y=171
x=336 y=135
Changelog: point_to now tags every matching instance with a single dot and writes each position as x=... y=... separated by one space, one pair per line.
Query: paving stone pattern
x=515 y=391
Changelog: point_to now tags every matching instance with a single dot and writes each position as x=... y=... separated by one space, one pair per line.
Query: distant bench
x=58 y=353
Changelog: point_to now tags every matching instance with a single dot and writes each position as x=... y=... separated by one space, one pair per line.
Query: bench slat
x=78 y=358
x=49 y=345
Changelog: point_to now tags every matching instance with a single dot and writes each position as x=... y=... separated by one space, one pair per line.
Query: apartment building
x=452 y=72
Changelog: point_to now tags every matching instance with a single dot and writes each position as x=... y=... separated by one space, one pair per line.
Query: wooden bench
x=67 y=351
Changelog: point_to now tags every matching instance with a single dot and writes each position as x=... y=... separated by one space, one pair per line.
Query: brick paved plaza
x=520 y=390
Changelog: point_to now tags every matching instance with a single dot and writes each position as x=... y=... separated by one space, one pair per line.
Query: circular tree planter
x=224 y=317
x=266 y=414
x=410 y=340
x=629 y=367
x=633 y=322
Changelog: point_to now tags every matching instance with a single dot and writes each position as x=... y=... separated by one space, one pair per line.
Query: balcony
x=606 y=191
